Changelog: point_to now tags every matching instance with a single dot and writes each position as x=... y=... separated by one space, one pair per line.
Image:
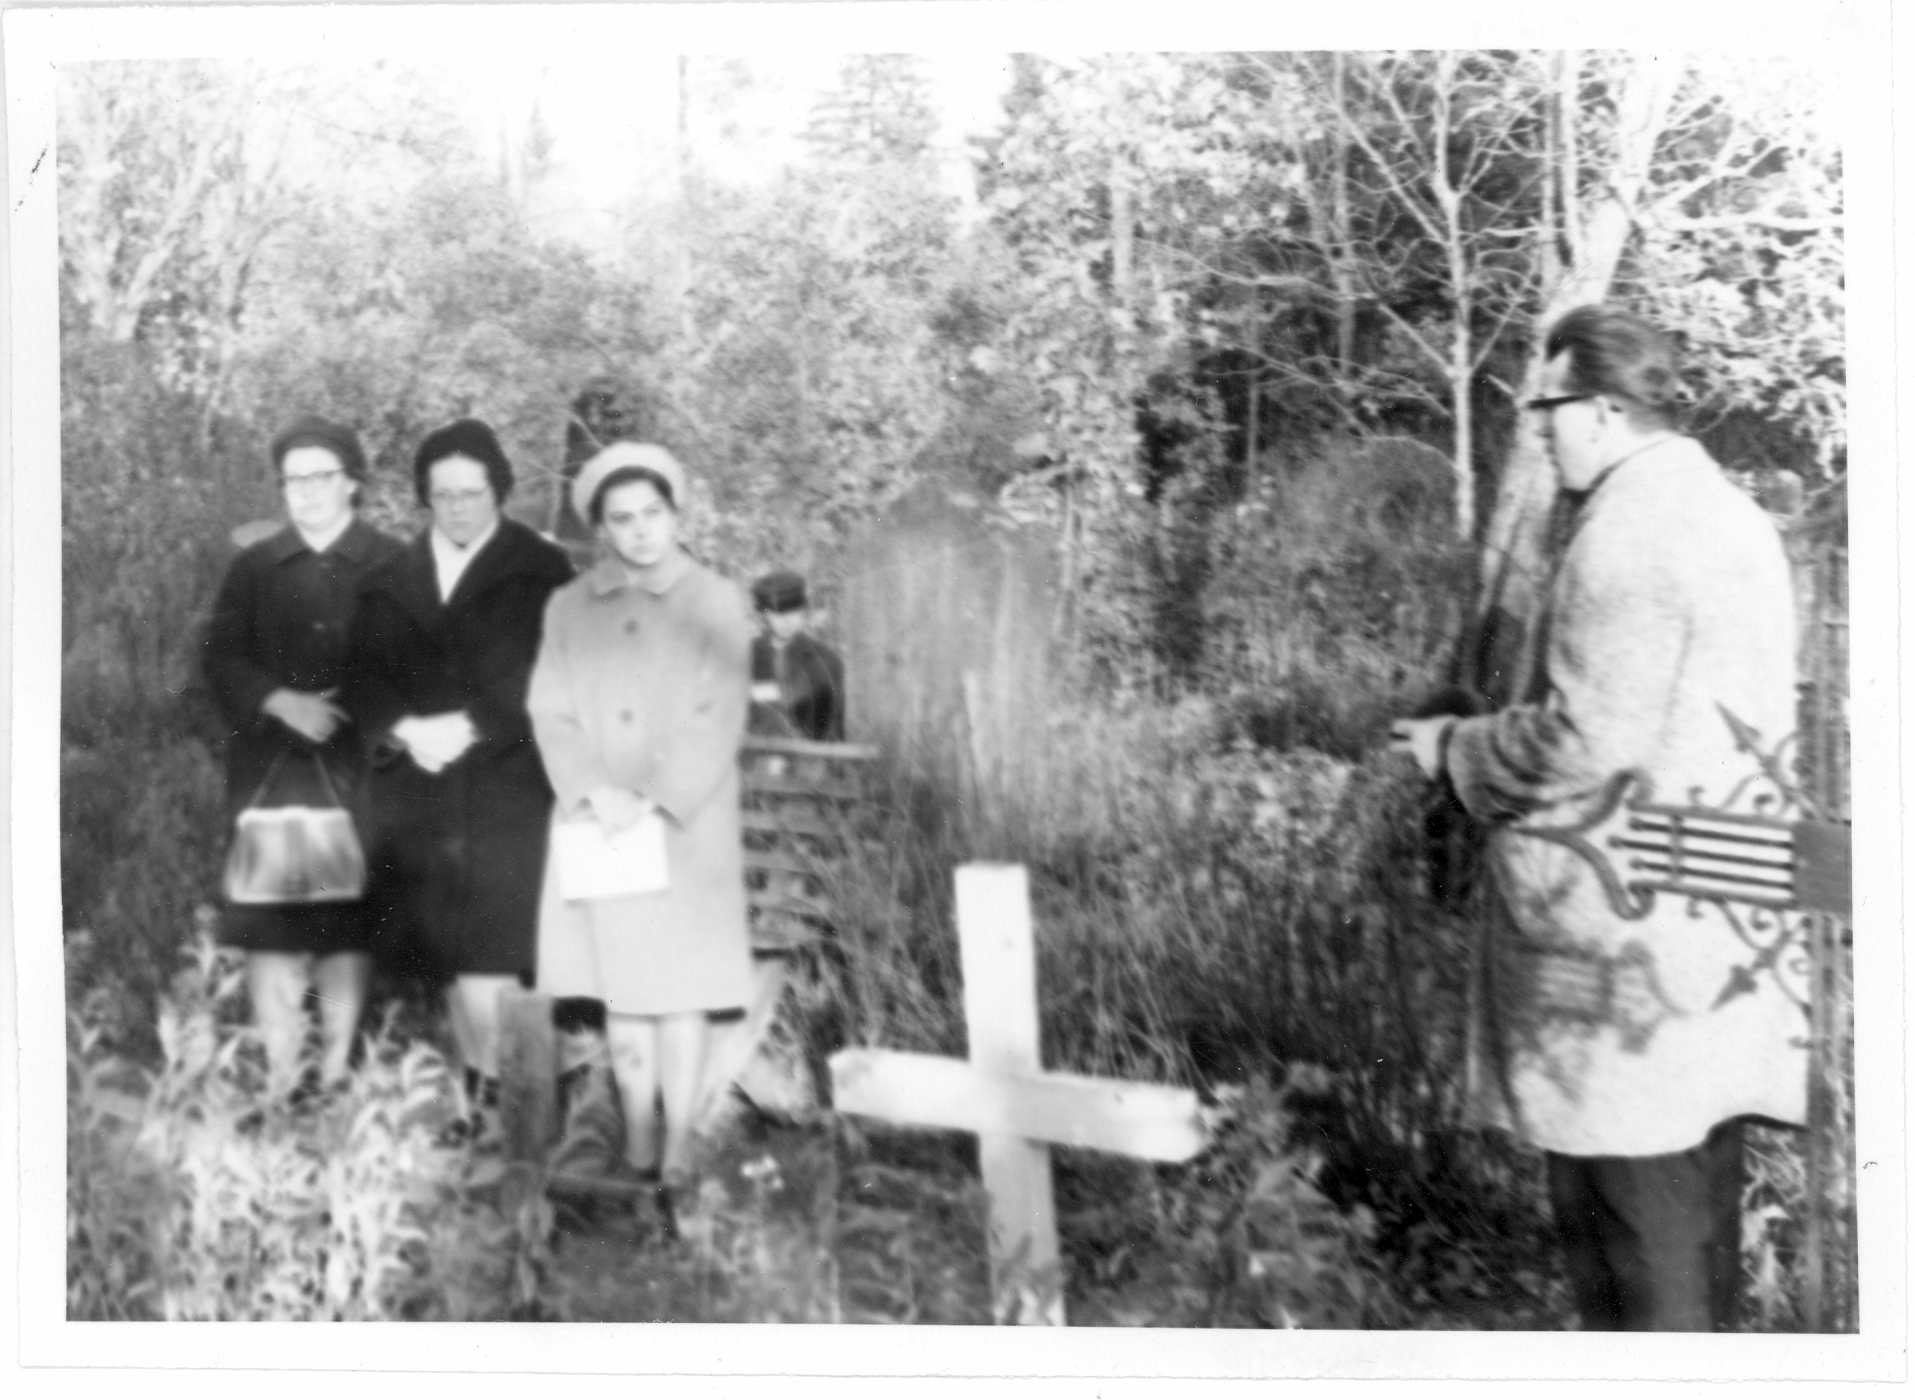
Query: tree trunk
x=1250 y=424
x=1514 y=566
x=1465 y=446
x=684 y=172
x=1340 y=213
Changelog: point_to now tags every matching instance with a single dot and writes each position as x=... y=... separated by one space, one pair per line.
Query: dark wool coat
x=1617 y=1037
x=810 y=679
x=644 y=687
x=280 y=621
x=456 y=857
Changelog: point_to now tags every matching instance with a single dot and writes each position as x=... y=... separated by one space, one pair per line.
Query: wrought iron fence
x=1829 y=1279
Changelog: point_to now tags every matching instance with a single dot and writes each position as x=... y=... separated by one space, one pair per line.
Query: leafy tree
x=879 y=111
x=1707 y=194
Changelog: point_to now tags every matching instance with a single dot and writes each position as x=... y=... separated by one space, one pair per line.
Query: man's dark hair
x=1619 y=355
x=466 y=438
x=625 y=476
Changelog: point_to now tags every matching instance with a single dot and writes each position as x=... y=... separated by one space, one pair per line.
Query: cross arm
x=1152 y=1121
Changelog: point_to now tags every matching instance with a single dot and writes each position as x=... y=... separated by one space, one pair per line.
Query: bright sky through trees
x=612 y=117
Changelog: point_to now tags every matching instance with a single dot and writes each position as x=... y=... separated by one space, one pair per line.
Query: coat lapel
x=414 y=585
x=497 y=559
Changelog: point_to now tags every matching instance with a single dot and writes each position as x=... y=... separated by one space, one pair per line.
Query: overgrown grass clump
x=1227 y=879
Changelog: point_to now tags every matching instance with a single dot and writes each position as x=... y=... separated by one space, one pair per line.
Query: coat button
x=631 y=629
x=625 y=715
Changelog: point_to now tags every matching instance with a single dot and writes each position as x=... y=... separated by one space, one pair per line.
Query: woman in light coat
x=638 y=703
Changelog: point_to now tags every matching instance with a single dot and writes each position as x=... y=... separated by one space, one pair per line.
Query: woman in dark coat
x=456 y=803
x=274 y=653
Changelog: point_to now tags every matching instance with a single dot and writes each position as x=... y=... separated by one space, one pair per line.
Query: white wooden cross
x=1003 y=1094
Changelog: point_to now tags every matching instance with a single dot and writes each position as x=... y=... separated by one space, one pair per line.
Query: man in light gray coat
x=1631 y=1049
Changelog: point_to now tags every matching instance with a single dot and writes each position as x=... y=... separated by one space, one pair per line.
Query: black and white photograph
x=1142 y=681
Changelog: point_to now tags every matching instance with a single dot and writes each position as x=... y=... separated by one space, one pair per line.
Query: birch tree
x=1448 y=141
x=1708 y=195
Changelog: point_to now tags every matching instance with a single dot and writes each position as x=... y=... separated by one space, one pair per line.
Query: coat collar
x=515 y=549
x=354 y=543
x=609 y=575
x=1657 y=458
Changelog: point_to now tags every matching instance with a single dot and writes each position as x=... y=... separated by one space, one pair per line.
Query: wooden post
x=1000 y=1015
x=1004 y=1095
x=528 y=1074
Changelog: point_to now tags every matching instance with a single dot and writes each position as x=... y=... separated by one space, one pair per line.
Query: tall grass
x=1227 y=891
x=1227 y=880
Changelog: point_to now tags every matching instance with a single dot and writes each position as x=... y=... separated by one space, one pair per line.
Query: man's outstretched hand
x=1422 y=740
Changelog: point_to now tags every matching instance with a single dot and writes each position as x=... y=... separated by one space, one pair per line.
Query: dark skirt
x=456 y=864
x=318 y=929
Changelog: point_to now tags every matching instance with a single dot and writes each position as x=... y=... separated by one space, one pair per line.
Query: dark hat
x=782 y=591
x=466 y=438
x=314 y=431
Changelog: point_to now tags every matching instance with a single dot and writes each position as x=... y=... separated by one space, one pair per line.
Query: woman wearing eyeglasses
x=274 y=657
x=456 y=803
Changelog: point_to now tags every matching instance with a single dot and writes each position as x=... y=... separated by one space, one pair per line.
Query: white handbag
x=595 y=864
x=296 y=854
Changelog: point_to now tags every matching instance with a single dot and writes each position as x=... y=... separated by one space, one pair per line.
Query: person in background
x=797 y=682
x=456 y=803
x=273 y=656
x=1631 y=1050
x=639 y=702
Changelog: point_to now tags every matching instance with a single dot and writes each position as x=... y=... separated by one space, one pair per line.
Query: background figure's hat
x=782 y=591
x=602 y=464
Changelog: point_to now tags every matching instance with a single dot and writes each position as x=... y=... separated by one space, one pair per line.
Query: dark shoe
x=480 y=1126
x=669 y=1201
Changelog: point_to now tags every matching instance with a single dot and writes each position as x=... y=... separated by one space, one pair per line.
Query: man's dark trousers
x=1652 y=1244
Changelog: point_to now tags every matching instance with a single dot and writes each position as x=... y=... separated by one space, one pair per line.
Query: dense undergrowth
x=1228 y=889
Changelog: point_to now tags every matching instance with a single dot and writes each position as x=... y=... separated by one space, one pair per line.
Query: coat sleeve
x=240 y=684
x=370 y=693
x=1619 y=632
x=572 y=762
x=834 y=668
x=497 y=705
x=693 y=767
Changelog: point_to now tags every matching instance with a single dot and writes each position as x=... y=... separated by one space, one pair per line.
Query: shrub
x=194 y=1194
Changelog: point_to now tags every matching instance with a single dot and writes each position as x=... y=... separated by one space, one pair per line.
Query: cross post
x=1003 y=1094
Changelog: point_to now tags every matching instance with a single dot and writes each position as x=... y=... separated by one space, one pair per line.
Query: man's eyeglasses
x=311 y=480
x=459 y=498
x=1555 y=401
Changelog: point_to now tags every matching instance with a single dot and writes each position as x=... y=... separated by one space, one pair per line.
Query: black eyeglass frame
x=1556 y=401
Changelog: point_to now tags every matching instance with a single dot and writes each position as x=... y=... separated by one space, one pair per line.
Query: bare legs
x=472 y=1005
x=656 y=1057
x=277 y=984
x=634 y=1043
x=340 y=983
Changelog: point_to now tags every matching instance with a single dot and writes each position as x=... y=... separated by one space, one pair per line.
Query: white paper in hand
x=593 y=864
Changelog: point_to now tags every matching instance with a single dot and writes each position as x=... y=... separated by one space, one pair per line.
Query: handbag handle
x=272 y=771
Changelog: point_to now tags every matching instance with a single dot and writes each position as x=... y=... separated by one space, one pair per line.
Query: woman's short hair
x=311 y=430
x=466 y=438
x=624 y=476
x=1620 y=355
